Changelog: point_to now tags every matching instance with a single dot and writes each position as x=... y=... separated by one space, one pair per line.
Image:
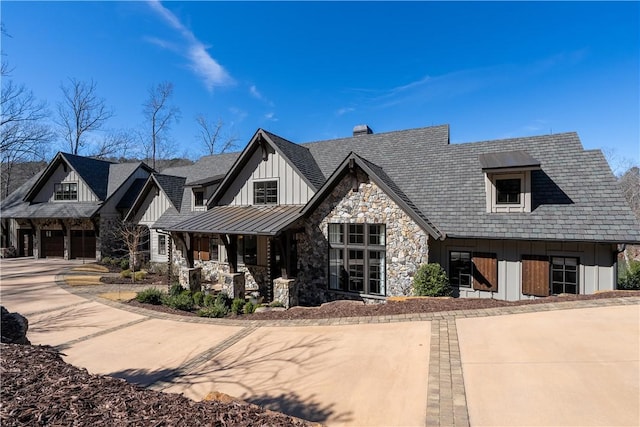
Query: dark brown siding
x=485 y=272
x=535 y=275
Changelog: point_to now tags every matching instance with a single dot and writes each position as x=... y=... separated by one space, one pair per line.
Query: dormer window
x=198 y=197
x=65 y=191
x=265 y=193
x=508 y=180
x=508 y=191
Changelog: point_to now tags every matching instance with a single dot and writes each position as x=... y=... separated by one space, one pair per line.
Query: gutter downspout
x=169 y=256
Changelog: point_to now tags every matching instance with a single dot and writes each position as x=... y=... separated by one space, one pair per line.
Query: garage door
x=52 y=243
x=83 y=246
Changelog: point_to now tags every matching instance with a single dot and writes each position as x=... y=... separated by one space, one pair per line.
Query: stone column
x=285 y=291
x=233 y=284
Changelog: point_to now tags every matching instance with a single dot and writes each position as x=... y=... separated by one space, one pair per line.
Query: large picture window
x=357 y=258
x=65 y=191
x=265 y=193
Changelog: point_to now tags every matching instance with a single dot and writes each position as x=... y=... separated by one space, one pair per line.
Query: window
x=508 y=191
x=265 y=193
x=65 y=191
x=460 y=269
x=198 y=197
x=162 y=244
x=214 y=249
x=248 y=250
x=564 y=275
x=357 y=258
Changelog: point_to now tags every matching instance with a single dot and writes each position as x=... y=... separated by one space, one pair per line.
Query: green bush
x=222 y=299
x=175 y=289
x=124 y=264
x=115 y=261
x=630 y=280
x=213 y=311
x=237 y=305
x=431 y=281
x=198 y=298
x=150 y=296
x=139 y=275
x=125 y=273
x=106 y=260
x=248 y=308
x=209 y=300
x=182 y=302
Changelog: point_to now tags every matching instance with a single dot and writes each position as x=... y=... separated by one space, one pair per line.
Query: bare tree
x=24 y=133
x=160 y=115
x=211 y=136
x=114 y=144
x=81 y=112
x=135 y=238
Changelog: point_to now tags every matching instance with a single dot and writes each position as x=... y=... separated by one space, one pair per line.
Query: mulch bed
x=151 y=279
x=339 y=309
x=39 y=388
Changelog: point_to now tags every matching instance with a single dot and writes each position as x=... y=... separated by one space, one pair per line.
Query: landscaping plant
x=431 y=281
x=630 y=279
x=150 y=296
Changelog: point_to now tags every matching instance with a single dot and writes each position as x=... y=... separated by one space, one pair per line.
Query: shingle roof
x=301 y=158
x=575 y=196
x=94 y=172
x=132 y=193
x=173 y=187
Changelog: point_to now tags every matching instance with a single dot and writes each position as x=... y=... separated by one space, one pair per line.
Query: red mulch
x=339 y=309
x=39 y=388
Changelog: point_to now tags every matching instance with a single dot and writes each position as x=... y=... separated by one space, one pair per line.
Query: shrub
x=106 y=260
x=631 y=278
x=115 y=261
x=150 y=296
x=213 y=311
x=237 y=305
x=198 y=298
x=209 y=300
x=124 y=264
x=222 y=299
x=276 y=304
x=248 y=308
x=431 y=281
x=139 y=275
x=180 y=302
x=125 y=273
x=175 y=289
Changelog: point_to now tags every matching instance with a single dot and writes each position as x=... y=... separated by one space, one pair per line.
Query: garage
x=83 y=244
x=52 y=243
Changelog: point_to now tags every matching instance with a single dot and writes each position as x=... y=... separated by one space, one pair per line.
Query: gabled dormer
x=507 y=177
x=70 y=178
x=270 y=171
x=202 y=190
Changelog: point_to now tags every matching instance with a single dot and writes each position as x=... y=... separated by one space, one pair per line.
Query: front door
x=25 y=242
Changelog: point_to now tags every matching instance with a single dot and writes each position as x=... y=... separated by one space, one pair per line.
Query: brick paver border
x=446 y=397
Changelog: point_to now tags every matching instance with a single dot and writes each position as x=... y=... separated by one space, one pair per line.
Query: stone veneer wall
x=406 y=241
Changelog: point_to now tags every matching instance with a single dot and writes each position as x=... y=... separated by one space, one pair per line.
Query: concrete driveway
x=570 y=364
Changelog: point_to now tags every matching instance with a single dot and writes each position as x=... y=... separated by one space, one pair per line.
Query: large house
x=70 y=209
x=354 y=218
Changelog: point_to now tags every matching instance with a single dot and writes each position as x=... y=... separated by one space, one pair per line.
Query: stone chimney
x=361 y=130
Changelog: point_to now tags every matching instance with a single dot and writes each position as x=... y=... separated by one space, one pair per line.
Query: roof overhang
x=508 y=161
x=251 y=220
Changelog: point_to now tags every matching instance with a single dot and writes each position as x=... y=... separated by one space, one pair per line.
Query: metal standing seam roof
x=252 y=220
x=507 y=160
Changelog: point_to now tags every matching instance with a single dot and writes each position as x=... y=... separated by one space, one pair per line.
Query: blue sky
x=312 y=70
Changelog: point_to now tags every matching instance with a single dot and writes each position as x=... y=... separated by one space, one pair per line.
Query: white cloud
x=271 y=116
x=344 y=110
x=200 y=61
x=254 y=92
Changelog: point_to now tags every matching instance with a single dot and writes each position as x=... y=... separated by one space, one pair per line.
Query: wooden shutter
x=485 y=272
x=535 y=275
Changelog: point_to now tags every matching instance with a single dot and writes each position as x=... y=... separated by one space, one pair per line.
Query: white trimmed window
x=265 y=192
x=508 y=192
x=65 y=191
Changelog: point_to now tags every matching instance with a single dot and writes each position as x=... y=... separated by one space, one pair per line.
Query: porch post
x=230 y=242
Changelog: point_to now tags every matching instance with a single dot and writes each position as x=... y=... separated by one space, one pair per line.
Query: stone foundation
x=285 y=291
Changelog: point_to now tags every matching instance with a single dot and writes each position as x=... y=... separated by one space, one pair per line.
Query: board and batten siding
x=596 y=272
x=156 y=203
x=46 y=194
x=114 y=199
x=292 y=188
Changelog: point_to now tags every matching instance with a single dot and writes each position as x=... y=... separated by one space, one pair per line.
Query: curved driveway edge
x=414 y=369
